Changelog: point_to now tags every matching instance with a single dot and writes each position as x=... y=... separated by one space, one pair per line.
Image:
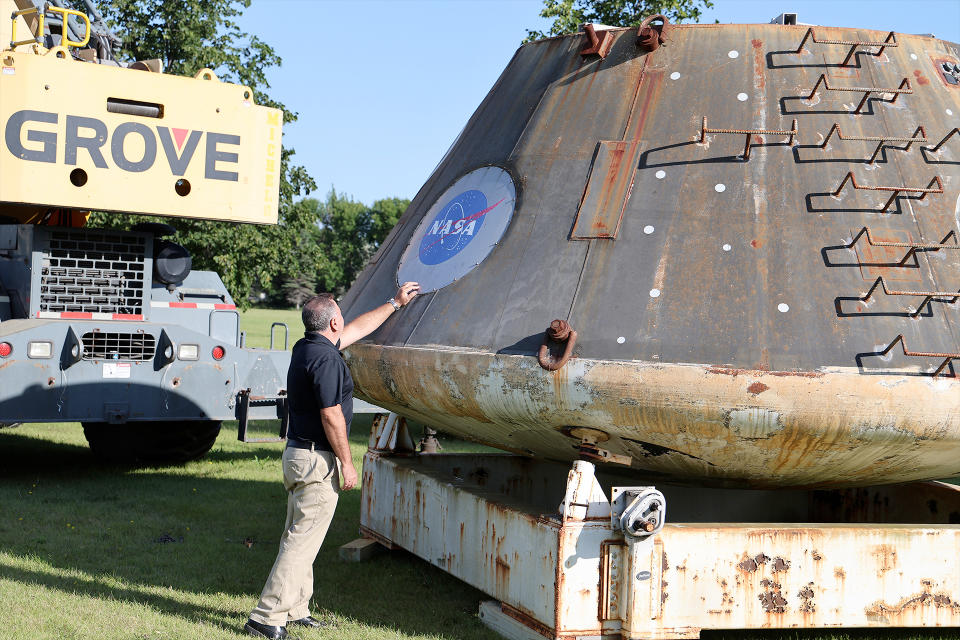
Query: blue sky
x=384 y=86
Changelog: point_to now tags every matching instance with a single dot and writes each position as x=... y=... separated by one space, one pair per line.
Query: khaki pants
x=313 y=485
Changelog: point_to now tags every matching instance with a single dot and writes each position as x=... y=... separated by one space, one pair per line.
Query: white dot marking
x=949 y=113
x=733 y=54
x=913 y=56
x=783 y=307
x=727 y=247
x=621 y=340
x=648 y=229
x=720 y=188
x=675 y=75
x=654 y=293
x=742 y=97
x=661 y=174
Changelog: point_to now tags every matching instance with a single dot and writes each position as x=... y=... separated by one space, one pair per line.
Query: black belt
x=304 y=444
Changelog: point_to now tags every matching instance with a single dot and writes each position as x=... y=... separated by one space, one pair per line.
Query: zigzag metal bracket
x=948 y=357
x=944 y=141
x=889 y=41
x=953 y=296
x=903 y=88
x=912 y=246
x=881 y=140
x=896 y=190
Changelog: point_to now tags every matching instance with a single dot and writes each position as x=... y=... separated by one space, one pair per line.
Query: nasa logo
x=454 y=227
x=460 y=229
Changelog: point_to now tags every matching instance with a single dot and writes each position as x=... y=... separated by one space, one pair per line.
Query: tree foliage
x=568 y=15
x=349 y=234
x=189 y=35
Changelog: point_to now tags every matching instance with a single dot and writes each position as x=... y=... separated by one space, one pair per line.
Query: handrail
x=896 y=190
x=889 y=41
x=880 y=139
x=704 y=130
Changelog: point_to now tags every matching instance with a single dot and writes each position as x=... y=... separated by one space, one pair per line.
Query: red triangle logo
x=180 y=135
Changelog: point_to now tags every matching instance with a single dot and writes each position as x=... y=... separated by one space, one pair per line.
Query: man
x=320 y=392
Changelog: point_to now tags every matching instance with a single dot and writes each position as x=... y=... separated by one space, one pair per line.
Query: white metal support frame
x=727 y=559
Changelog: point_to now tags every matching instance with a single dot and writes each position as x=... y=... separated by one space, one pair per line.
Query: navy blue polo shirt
x=318 y=378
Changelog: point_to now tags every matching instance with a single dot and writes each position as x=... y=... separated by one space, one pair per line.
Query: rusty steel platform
x=725 y=559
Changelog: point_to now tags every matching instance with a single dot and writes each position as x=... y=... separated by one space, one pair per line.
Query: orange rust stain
x=756 y=244
x=757 y=388
x=920 y=78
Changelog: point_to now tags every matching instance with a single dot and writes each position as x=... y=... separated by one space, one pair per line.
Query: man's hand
x=349 y=476
x=407 y=292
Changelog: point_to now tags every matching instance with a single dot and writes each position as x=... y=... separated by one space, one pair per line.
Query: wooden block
x=360 y=549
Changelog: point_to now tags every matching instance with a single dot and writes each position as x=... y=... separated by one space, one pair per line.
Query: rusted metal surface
x=928 y=296
x=558 y=332
x=696 y=423
x=492 y=521
x=711 y=346
x=608 y=190
x=947 y=357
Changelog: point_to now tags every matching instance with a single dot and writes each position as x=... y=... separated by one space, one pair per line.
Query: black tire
x=151 y=442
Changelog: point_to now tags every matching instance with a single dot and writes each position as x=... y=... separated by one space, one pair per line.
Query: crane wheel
x=166 y=441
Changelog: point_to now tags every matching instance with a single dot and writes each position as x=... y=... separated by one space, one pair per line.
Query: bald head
x=318 y=311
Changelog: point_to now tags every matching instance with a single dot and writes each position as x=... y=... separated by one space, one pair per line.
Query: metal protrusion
x=749 y=133
x=948 y=357
x=650 y=38
x=598 y=43
x=953 y=296
x=889 y=41
x=903 y=88
x=429 y=443
x=589 y=450
x=639 y=512
x=881 y=140
x=896 y=190
x=944 y=141
x=558 y=331
x=912 y=246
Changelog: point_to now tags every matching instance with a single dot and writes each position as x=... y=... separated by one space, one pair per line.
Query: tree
x=350 y=233
x=189 y=35
x=568 y=15
x=299 y=289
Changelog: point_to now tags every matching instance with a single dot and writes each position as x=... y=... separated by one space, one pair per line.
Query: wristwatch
x=396 y=306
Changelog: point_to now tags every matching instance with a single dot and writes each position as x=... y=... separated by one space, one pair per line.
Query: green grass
x=256 y=323
x=93 y=552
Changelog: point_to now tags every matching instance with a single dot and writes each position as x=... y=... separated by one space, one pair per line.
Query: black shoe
x=310 y=622
x=255 y=628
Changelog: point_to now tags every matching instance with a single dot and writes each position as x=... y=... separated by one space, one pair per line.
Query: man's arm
x=335 y=428
x=365 y=324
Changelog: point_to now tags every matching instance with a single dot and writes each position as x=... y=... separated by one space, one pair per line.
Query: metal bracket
x=896 y=190
x=639 y=512
x=944 y=141
x=912 y=246
x=598 y=43
x=928 y=295
x=865 y=90
x=881 y=140
x=889 y=41
x=389 y=434
x=704 y=130
x=243 y=411
x=948 y=357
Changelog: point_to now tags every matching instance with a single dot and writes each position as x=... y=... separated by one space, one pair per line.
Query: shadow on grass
x=130 y=531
